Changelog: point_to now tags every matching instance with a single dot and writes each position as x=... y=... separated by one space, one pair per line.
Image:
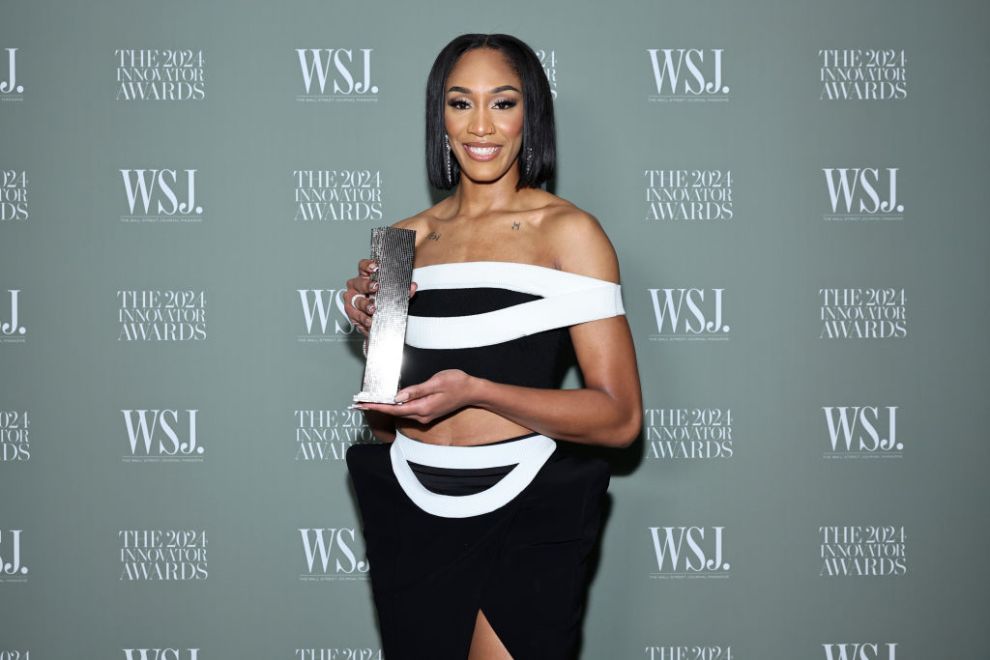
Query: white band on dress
x=567 y=299
x=527 y=278
x=527 y=454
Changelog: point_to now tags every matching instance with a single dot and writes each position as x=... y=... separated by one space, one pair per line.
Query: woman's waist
x=466 y=427
x=529 y=449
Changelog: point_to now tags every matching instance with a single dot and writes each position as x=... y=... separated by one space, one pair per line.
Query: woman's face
x=483 y=114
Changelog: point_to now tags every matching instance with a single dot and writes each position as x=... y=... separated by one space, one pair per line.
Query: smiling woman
x=455 y=94
x=478 y=517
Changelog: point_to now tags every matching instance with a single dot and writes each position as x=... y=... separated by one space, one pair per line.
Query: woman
x=478 y=520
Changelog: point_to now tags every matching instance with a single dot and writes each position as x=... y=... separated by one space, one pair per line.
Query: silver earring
x=446 y=158
x=529 y=160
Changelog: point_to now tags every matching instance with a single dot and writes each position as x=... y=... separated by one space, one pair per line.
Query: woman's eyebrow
x=495 y=90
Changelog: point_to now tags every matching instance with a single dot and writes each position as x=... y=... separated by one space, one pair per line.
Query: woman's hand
x=445 y=392
x=359 y=298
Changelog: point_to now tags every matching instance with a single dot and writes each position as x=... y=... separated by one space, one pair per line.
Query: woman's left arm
x=607 y=411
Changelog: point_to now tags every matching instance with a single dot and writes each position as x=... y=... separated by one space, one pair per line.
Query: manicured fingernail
x=374 y=286
x=371 y=309
x=373 y=267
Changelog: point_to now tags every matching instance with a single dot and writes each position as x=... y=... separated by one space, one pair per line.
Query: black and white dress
x=506 y=527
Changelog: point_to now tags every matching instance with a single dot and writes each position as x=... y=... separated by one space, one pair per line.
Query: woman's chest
x=457 y=244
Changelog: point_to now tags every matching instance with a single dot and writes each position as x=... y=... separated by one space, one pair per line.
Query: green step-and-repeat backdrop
x=797 y=192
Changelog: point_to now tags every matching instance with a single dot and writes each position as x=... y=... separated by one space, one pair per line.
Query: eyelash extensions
x=509 y=103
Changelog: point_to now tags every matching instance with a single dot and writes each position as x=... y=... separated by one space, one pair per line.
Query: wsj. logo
x=161 y=187
x=321 y=306
x=11 y=568
x=702 y=80
x=702 y=557
x=854 y=193
x=145 y=429
x=161 y=654
x=10 y=85
x=674 y=324
x=12 y=327
x=861 y=432
x=331 y=554
x=858 y=651
x=317 y=62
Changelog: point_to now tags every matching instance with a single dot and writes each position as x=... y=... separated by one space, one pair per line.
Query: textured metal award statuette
x=393 y=249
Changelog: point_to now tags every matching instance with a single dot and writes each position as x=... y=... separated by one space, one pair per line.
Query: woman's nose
x=481 y=124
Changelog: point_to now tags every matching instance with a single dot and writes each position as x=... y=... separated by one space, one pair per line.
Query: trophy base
x=371 y=397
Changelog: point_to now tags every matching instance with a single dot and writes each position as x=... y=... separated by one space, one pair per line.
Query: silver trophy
x=393 y=249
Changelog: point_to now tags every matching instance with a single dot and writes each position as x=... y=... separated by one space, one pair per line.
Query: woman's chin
x=484 y=177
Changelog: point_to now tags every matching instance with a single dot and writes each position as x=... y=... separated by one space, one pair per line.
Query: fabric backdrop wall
x=797 y=194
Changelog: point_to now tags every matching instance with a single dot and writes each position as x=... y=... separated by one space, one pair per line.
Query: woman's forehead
x=482 y=69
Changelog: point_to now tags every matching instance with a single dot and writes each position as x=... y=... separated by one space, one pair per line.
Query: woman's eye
x=501 y=104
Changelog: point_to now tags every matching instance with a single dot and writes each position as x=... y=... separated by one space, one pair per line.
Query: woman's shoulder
x=423 y=222
x=416 y=222
x=578 y=241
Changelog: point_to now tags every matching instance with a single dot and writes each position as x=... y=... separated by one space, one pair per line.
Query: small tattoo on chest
x=433 y=236
x=515 y=225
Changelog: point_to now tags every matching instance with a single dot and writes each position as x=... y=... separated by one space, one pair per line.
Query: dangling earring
x=529 y=160
x=446 y=158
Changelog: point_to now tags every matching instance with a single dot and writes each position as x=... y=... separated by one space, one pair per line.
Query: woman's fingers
x=363 y=303
x=413 y=392
x=424 y=402
x=360 y=320
x=366 y=267
x=358 y=307
x=359 y=298
x=418 y=411
x=361 y=284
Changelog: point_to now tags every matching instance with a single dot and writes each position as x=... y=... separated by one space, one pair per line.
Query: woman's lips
x=482 y=153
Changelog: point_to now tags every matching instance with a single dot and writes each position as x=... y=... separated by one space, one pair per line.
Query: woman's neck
x=475 y=199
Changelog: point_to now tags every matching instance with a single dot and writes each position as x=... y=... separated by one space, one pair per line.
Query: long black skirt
x=524 y=564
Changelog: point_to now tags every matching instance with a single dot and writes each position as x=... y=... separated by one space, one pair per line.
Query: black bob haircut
x=538 y=122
